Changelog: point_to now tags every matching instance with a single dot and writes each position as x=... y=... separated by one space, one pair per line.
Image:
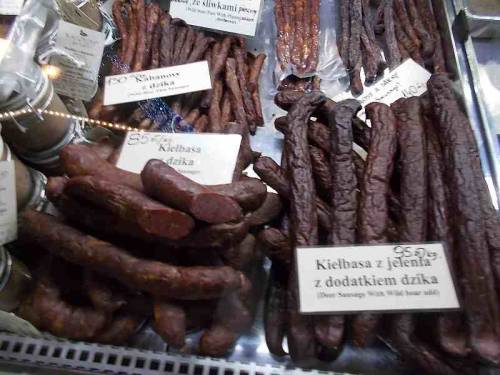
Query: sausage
x=167 y=32
x=270 y=210
x=276 y=245
x=132 y=206
x=242 y=255
x=302 y=193
x=250 y=193
x=412 y=149
x=226 y=110
x=97 y=221
x=101 y=295
x=140 y=52
x=273 y=175
x=329 y=329
x=482 y=309
x=170 y=187
x=121 y=26
x=169 y=321
x=245 y=154
x=132 y=40
x=230 y=319
x=214 y=236
x=241 y=71
x=322 y=172
x=275 y=312
x=303 y=217
x=48 y=311
x=355 y=61
x=373 y=215
x=120 y=330
x=236 y=95
x=80 y=160
x=255 y=70
x=202 y=44
x=157 y=278
x=214 y=111
x=450 y=327
x=412 y=349
x=187 y=47
x=55 y=187
x=153 y=11
x=413 y=222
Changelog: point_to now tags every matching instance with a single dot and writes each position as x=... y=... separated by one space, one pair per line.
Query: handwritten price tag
x=408 y=79
x=399 y=277
x=208 y=159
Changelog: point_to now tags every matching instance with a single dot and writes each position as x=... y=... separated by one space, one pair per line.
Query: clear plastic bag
x=329 y=69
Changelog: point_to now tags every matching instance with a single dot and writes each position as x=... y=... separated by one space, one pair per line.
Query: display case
x=153 y=270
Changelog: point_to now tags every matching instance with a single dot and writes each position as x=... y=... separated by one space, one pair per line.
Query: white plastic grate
x=98 y=358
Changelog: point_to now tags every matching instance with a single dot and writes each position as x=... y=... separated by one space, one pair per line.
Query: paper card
x=8 y=204
x=11 y=7
x=79 y=77
x=232 y=16
x=397 y=277
x=208 y=159
x=157 y=83
x=408 y=79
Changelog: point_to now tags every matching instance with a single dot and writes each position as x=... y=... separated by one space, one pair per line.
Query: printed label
x=397 y=277
x=208 y=159
x=11 y=7
x=408 y=79
x=79 y=74
x=157 y=83
x=8 y=205
x=232 y=16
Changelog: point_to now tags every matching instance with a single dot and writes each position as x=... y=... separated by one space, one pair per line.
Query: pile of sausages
x=151 y=38
x=153 y=245
x=421 y=181
x=298 y=29
x=396 y=29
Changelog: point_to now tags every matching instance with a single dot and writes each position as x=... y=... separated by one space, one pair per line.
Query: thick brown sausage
x=169 y=321
x=48 y=311
x=119 y=331
x=242 y=255
x=170 y=187
x=131 y=205
x=270 y=210
x=80 y=160
x=250 y=193
x=276 y=245
x=157 y=278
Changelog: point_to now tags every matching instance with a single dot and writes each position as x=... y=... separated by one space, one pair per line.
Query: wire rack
x=96 y=358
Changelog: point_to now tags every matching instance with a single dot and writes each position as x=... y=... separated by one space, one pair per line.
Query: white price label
x=397 y=277
x=78 y=78
x=157 y=83
x=208 y=159
x=408 y=79
x=11 y=7
x=8 y=205
x=235 y=16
